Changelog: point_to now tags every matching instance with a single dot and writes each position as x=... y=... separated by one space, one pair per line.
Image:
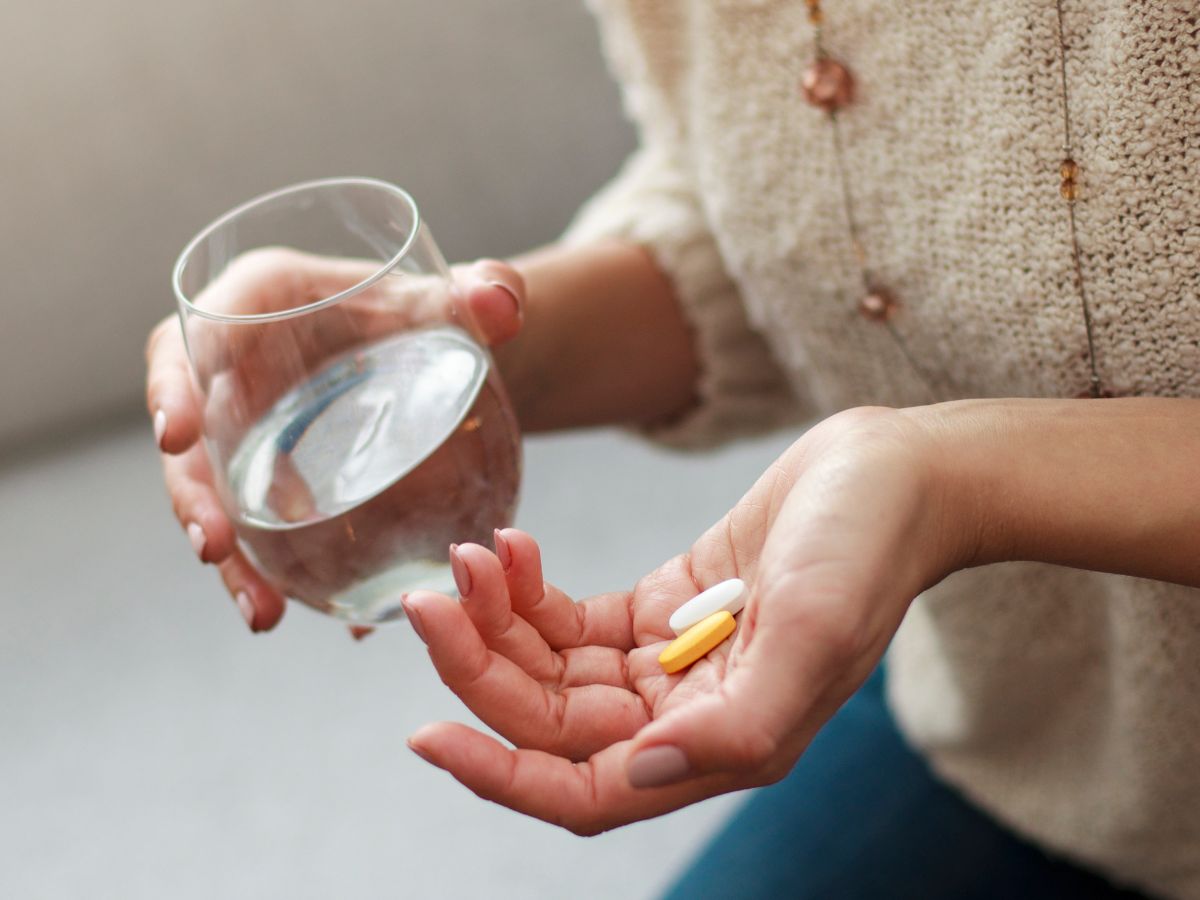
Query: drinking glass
x=354 y=428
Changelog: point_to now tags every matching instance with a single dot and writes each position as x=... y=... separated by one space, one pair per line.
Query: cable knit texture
x=1063 y=702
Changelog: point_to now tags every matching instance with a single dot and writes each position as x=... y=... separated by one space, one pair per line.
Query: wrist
x=603 y=340
x=1105 y=485
x=1008 y=475
x=901 y=458
x=961 y=477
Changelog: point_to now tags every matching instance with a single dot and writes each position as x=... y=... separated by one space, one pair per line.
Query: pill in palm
x=729 y=595
x=698 y=641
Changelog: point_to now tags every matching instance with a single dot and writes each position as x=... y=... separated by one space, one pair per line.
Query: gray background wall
x=129 y=124
x=149 y=746
x=153 y=749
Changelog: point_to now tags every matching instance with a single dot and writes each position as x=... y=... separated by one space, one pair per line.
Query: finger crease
x=480 y=672
x=589 y=776
x=510 y=785
x=581 y=622
x=557 y=709
x=538 y=602
x=504 y=630
x=729 y=537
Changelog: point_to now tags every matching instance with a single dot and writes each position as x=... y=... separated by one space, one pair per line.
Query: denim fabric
x=862 y=816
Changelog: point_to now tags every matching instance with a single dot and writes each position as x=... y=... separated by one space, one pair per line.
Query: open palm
x=569 y=683
x=602 y=736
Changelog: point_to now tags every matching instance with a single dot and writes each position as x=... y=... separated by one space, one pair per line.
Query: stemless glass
x=354 y=430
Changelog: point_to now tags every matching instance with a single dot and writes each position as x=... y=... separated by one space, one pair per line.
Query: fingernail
x=503 y=551
x=657 y=766
x=413 y=612
x=358 y=632
x=198 y=538
x=160 y=426
x=246 y=607
x=421 y=753
x=511 y=293
x=462 y=575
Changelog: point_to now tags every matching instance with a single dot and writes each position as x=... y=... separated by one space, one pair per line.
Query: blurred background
x=149 y=746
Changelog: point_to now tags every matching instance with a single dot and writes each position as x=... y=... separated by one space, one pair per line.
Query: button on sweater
x=1063 y=702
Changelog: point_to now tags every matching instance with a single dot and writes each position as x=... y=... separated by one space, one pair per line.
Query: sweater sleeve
x=653 y=202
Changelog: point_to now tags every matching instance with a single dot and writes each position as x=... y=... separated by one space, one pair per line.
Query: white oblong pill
x=728 y=595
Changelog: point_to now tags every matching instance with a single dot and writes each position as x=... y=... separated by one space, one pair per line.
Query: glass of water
x=354 y=429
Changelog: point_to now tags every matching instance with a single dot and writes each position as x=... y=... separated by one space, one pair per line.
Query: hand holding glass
x=354 y=429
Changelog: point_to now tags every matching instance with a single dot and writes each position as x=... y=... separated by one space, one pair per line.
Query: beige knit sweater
x=1066 y=703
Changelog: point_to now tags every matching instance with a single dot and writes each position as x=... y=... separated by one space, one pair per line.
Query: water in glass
x=350 y=488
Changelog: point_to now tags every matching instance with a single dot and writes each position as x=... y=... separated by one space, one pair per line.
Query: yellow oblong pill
x=697 y=641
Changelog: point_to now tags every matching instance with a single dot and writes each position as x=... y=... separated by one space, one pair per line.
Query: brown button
x=828 y=84
x=878 y=305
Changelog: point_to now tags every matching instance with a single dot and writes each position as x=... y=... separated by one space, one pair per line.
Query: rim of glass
x=271 y=196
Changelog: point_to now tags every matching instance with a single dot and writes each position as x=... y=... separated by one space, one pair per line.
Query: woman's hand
x=488 y=303
x=834 y=541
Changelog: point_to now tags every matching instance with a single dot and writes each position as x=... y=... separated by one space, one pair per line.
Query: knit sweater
x=1063 y=702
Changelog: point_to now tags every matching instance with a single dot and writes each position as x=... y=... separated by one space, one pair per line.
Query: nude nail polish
x=246 y=608
x=511 y=293
x=197 y=538
x=413 y=613
x=462 y=575
x=657 y=766
x=160 y=426
x=503 y=551
x=419 y=751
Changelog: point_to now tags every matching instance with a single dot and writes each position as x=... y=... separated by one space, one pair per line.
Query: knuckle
x=760 y=751
x=488 y=265
x=232 y=583
x=582 y=827
x=231 y=575
x=498 y=269
x=753 y=750
x=265 y=261
x=179 y=505
x=774 y=771
x=157 y=333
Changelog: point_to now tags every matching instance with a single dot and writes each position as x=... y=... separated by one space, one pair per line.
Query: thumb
x=754 y=726
x=718 y=733
x=491 y=298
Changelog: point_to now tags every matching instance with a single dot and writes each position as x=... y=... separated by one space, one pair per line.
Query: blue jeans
x=862 y=816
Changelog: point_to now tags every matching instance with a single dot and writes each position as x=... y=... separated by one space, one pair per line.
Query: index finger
x=572 y=721
x=170 y=396
x=605 y=620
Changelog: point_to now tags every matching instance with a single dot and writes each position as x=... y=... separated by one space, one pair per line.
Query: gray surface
x=149 y=746
x=129 y=124
x=152 y=748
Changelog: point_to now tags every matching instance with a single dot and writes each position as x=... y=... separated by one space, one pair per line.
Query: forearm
x=1109 y=485
x=604 y=340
